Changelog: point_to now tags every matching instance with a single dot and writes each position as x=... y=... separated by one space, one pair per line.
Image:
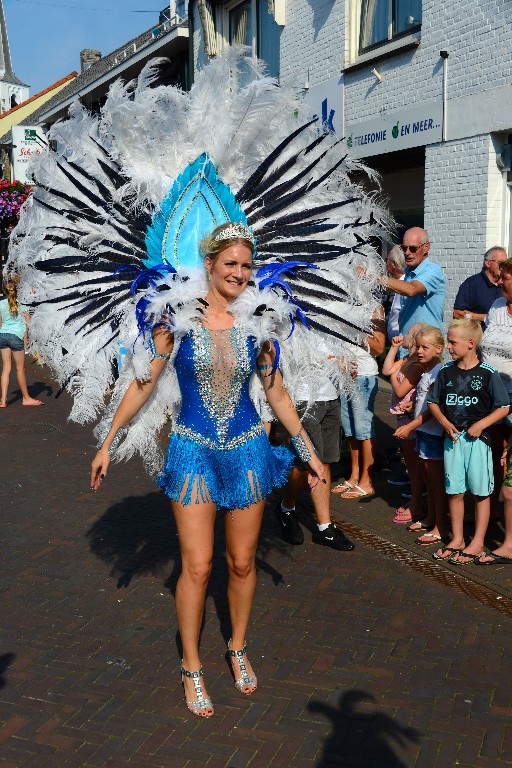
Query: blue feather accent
x=269 y=276
x=197 y=203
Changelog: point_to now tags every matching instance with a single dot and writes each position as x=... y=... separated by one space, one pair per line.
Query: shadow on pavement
x=5 y=662
x=138 y=537
x=36 y=390
x=361 y=737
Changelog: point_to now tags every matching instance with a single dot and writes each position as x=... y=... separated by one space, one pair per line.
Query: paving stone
x=361 y=659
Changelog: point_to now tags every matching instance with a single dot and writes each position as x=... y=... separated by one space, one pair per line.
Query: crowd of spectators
x=453 y=423
x=451 y=397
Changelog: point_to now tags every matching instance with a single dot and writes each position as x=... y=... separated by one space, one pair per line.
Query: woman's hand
x=316 y=472
x=402 y=432
x=99 y=468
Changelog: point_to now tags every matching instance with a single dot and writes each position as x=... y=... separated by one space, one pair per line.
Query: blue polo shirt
x=477 y=294
x=426 y=307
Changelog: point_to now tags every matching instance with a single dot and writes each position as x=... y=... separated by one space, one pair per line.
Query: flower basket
x=12 y=196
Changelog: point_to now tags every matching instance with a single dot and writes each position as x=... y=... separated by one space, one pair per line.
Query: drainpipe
x=444 y=55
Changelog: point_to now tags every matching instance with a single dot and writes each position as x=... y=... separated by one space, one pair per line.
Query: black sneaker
x=334 y=538
x=290 y=527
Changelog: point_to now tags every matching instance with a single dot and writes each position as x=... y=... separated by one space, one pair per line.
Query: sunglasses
x=411 y=248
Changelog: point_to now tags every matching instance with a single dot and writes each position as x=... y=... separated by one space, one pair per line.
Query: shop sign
x=394 y=131
x=325 y=101
x=28 y=142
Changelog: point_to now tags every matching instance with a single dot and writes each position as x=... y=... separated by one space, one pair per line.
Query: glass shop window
x=384 y=20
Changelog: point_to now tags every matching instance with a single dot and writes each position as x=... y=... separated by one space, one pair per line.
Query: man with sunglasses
x=477 y=293
x=423 y=289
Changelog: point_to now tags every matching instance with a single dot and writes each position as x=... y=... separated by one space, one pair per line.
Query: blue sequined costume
x=218 y=448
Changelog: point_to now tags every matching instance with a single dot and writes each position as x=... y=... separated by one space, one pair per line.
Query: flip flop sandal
x=454 y=559
x=445 y=549
x=496 y=559
x=356 y=492
x=433 y=538
x=342 y=487
x=406 y=519
x=420 y=526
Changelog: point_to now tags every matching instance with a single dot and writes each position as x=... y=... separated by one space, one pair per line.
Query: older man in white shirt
x=395 y=264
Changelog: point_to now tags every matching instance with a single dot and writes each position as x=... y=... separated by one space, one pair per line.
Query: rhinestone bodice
x=213 y=369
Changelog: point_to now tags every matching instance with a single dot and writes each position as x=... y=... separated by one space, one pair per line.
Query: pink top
x=396 y=402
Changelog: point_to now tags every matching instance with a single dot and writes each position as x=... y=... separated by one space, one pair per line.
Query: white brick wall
x=463 y=205
x=464 y=190
x=477 y=34
x=313 y=38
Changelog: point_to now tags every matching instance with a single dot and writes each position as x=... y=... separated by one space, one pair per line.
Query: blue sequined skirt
x=233 y=478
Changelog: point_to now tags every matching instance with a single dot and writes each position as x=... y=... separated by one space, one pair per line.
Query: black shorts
x=322 y=422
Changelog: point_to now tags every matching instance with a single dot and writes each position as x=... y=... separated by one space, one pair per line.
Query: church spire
x=6 y=72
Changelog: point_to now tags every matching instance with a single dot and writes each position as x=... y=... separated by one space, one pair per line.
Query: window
x=240 y=24
x=248 y=22
x=383 y=20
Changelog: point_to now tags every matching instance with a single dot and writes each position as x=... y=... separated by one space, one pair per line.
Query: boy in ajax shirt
x=467 y=397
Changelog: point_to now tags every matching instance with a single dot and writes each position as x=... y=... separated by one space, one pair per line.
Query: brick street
x=362 y=659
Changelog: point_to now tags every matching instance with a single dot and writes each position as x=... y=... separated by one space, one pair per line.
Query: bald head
x=415 y=246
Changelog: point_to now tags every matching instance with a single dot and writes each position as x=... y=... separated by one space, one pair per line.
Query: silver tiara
x=233 y=232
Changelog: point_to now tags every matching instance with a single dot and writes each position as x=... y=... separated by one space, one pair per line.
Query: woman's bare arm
x=137 y=394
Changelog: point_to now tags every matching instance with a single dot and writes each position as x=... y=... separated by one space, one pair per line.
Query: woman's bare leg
x=355 y=460
x=367 y=461
x=19 y=361
x=6 y=372
x=195 y=523
x=242 y=531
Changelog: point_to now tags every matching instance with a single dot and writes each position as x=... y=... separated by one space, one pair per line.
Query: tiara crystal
x=234 y=231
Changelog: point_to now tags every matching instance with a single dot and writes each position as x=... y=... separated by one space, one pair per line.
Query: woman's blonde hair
x=212 y=248
x=431 y=334
x=9 y=287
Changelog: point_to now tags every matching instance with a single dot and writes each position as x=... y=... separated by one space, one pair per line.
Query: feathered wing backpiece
x=108 y=243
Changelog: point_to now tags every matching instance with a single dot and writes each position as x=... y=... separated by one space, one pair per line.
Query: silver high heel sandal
x=245 y=678
x=202 y=703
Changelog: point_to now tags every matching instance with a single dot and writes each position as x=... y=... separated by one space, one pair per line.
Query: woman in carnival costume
x=219 y=454
x=211 y=234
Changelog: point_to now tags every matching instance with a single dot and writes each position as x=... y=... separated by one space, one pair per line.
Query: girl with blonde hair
x=13 y=340
x=429 y=441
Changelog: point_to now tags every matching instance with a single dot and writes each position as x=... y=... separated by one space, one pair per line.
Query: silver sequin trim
x=236 y=442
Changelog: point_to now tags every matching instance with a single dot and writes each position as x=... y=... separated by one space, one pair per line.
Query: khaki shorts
x=508 y=476
x=322 y=422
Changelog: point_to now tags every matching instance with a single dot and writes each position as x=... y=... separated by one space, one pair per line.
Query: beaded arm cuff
x=115 y=442
x=301 y=448
x=152 y=349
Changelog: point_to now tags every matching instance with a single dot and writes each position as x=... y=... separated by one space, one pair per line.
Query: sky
x=46 y=36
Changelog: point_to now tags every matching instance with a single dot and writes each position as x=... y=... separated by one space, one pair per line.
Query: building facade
x=12 y=90
x=422 y=91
